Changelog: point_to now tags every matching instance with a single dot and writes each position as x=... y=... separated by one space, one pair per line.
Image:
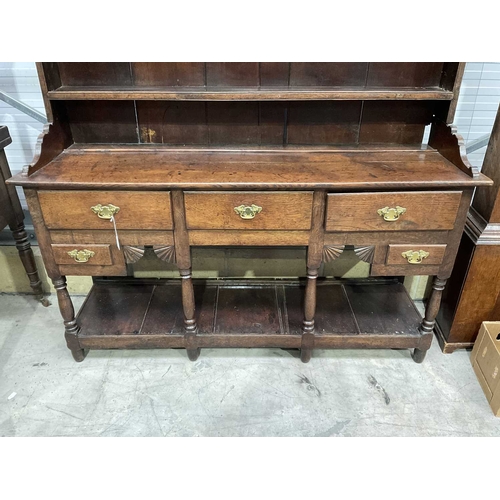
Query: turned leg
x=309 y=311
x=27 y=258
x=190 y=327
x=418 y=355
x=68 y=313
x=427 y=325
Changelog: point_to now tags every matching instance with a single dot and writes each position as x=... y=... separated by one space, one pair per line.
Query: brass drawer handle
x=248 y=212
x=391 y=214
x=81 y=255
x=415 y=257
x=105 y=211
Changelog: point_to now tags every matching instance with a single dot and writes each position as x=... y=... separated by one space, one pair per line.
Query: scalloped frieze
x=38 y=148
x=53 y=140
x=451 y=145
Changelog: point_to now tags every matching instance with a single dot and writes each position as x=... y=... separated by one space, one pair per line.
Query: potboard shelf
x=236 y=313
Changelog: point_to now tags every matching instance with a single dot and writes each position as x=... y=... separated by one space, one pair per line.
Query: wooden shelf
x=335 y=168
x=243 y=313
x=248 y=94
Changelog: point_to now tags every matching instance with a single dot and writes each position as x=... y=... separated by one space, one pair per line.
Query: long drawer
x=249 y=210
x=92 y=209
x=394 y=211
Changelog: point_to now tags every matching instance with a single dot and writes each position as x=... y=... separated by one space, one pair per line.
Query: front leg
x=68 y=313
x=188 y=306
x=309 y=312
x=427 y=325
x=314 y=260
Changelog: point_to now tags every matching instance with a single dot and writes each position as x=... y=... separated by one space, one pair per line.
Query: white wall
x=478 y=104
x=20 y=80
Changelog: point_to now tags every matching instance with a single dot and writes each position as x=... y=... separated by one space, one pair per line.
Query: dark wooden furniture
x=11 y=214
x=320 y=155
x=473 y=294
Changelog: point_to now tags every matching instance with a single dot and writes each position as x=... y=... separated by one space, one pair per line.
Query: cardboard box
x=485 y=360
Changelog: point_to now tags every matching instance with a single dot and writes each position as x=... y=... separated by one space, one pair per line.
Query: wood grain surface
x=101 y=257
x=280 y=211
x=436 y=254
x=424 y=210
x=337 y=170
x=237 y=314
x=138 y=210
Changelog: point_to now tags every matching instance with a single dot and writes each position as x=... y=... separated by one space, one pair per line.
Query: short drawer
x=91 y=209
x=394 y=211
x=88 y=255
x=75 y=259
x=421 y=255
x=249 y=210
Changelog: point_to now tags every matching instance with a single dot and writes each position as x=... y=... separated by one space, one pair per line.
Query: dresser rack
x=325 y=156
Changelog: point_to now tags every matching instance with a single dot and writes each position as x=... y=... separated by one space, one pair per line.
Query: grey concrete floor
x=237 y=392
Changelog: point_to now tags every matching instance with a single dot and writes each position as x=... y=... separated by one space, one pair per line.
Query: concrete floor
x=239 y=392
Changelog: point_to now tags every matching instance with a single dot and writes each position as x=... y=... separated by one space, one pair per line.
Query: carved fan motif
x=331 y=253
x=132 y=254
x=165 y=253
x=365 y=253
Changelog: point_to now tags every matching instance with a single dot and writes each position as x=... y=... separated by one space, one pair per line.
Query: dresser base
x=141 y=314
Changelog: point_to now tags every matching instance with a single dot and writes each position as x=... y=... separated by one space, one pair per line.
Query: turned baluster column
x=68 y=313
x=314 y=259
x=309 y=311
x=427 y=325
x=183 y=259
x=65 y=304
x=12 y=213
x=27 y=257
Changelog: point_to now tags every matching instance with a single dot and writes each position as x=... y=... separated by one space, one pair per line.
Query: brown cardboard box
x=485 y=360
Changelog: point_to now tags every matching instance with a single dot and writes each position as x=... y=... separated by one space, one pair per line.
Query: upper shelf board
x=247 y=94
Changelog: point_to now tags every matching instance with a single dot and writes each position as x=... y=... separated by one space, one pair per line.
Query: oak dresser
x=168 y=156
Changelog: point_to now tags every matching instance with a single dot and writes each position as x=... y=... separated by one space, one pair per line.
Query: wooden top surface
x=335 y=169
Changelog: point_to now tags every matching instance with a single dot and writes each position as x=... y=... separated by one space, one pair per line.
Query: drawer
x=89 y=259
x=88 y=255
x=415 y=255
x=418 y=259
x=137 y=210
x=249 y=210
x=394 y=211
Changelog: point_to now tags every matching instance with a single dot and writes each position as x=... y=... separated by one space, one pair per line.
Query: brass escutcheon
x=81 y=255
x=248 y=212
x=105 y=211
x=415 y=257
x=391 y=214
